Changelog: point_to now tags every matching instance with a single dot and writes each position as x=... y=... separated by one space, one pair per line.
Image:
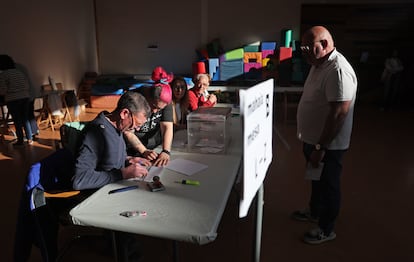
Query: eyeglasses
x=133 y=127
x=307 y=48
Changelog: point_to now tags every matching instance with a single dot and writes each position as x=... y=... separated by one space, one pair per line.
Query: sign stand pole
x=259 y=220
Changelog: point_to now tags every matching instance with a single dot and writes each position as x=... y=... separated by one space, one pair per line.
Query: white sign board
x=256 y=109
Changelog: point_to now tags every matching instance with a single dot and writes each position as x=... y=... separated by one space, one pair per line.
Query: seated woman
x=198 y=95
x=158 y=129
x=180 y=102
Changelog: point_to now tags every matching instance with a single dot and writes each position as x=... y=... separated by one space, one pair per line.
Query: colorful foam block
x=265 y=61
x=213 y=64
x=286 y=37
x=216 y=76
x=266 y=53
x=232 y=55
x=252 y=57
x=230 y=69
x=253 y=47
x=268 y=46
x=248 y=66
x=285 y=53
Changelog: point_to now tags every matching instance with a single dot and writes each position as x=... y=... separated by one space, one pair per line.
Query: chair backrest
x=71 y=135
x=36 y=217
x=53 y=174
x=49 y=87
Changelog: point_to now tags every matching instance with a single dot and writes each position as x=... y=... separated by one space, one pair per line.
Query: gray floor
x=375 y=222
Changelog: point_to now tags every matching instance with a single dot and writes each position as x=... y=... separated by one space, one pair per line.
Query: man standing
x=324 y=119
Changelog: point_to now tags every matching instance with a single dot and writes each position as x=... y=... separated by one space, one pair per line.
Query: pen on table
x=122 y=189
x=188 y=182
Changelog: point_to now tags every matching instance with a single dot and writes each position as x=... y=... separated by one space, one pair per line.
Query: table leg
x=114 y=246
x=175 y=251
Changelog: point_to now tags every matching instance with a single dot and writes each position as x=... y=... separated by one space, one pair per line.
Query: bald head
x=319 y=43
x=319 y=33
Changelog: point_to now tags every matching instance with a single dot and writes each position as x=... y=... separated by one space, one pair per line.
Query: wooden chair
x=5 y=121
x=46 y=116
x=47 y=199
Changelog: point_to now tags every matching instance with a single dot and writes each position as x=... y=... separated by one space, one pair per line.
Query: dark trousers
x=19 y=110
x=325 y=199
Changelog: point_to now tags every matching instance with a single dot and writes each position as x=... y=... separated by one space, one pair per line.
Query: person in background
x=324 y=125
x=392 y=78
x=102 y=157
x=32 y=118
x=158 y=129
x=180 y=102
x=15 y=88
x=198 y=95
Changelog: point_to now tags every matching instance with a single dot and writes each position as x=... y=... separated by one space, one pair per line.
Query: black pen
x=122 y=189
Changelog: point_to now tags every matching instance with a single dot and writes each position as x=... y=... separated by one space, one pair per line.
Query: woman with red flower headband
x=158 y=130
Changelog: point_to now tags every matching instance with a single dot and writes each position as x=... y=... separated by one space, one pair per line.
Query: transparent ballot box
x=207 y=129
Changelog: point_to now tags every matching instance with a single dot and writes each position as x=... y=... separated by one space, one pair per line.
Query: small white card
x=313 y=173
x=153 y=171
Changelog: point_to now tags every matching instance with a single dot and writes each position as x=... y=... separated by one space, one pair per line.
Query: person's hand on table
x=134 y=171
x=140 y=161
x=162 y=159
x=151 y=155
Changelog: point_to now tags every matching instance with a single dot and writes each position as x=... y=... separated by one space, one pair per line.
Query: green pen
x=188 y=182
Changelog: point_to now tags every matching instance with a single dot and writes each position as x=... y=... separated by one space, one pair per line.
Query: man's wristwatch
x=319 y=147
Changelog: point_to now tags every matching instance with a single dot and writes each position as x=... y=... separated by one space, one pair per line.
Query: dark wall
x=371 y=29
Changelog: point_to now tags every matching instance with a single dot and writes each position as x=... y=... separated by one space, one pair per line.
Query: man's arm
x=333 y=124
x=334 y=121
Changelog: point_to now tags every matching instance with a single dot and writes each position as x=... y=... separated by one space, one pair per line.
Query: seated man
x=158 y=129
x=100 y=160
x=198 y=95
x=102 y=157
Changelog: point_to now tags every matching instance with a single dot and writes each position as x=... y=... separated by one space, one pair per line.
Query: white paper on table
x=186 y=167
x=313 y=173
x=153 y=171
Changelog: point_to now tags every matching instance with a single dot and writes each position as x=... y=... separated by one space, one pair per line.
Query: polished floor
x=375 y=223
